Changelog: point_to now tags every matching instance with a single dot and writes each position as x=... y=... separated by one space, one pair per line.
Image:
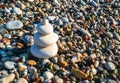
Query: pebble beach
x=59 y=41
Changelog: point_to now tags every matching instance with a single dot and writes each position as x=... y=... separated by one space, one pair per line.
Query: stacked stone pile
x=45 y=41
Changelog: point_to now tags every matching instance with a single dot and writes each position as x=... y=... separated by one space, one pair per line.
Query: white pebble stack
x=45 y=41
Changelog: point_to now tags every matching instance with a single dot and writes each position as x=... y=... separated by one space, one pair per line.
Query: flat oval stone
x=64 y=19
x=51 y=18
x=110 y=66
x=21 y=80
x=9 y=64
x=46 y=52
x=79 y=74
x=17 y=10
x=14 y=25
x=7 y=36
x=48 y=75
x=111 y=81
x=7 y=79
x=85 y=32
x=44 y=29
x=32 y=62
x=46 y=40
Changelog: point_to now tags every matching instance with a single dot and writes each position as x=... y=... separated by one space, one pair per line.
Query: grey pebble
x=9 y=64
x=65 y=19
x=110 y=66
x=51 y=18
x=7 y=36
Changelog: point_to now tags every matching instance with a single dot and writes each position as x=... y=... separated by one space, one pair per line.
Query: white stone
x=93 y=56
x=96 y=64
x=74 y=59
x=48 y=75
x=14 y=24
x=94 y=71
x=9 y=64
x=46 y=52
x=46 y=40
x=17 y=10
x=45 y=27
x=21 y=80
x=8 y=79
x=6 y=10
x=51 y=18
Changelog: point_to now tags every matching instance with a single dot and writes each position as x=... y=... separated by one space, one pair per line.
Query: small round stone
x=48 y=75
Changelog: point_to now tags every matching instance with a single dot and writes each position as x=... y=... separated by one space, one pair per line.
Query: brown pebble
x=32 y=62
x=79 y=74
x=64 y=63
x=85 y=55
x=69 y=44
x=20 y=45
